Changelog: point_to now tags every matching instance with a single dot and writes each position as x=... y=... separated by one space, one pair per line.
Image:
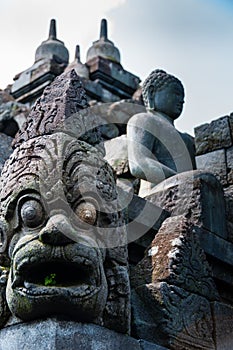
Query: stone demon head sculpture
x=63 y=241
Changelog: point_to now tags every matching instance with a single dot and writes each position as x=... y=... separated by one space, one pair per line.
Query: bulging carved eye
x=32 y=213
x=86 y=212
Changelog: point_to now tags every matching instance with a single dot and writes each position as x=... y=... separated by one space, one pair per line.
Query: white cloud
x=190 y=38
x=25 y=25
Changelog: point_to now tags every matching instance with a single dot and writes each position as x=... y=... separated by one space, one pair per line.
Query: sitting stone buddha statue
x=163 y=159
x=156 y=150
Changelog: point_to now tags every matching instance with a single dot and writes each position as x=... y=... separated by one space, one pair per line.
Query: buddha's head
x=164 y=93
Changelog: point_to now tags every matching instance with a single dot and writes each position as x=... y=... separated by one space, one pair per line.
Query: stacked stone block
x=186 y=277
x=214 y=148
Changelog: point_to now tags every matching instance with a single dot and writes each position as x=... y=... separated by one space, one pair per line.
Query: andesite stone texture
x=175 y=279
x=60 y=213
x=5 y=148
x=228 y=195
x=52 y=48
x=213 y=136
x=229 y=165
x=80 y=68
x=117 y=154
x=175 y=256
x=12 y=114
x=215 y=162
x=197 y=194
x=223 y=317
x=54 y=334
x=62 y=107
x=63 y=248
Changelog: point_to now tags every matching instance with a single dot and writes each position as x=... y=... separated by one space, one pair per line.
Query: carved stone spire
x=52 y=30
x=80 y=68
x=61 y=100
x=104 y=47
x=104 y=29
x=52 y=48
x=77 y=53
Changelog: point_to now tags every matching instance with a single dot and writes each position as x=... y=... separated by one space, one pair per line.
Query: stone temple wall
x=214 y=148
x=181 y=269
x=182 y=290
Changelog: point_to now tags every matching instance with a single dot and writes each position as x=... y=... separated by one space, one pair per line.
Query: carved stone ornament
x=63 y=241
x=175 y=281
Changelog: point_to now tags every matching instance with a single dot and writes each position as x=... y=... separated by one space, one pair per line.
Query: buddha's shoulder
x=144 y=118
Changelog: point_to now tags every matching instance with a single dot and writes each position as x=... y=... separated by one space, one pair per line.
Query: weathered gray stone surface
x=216 y=247
x=229 y=225
x=214 y=162
x=145 y=345
x=5 y=148
x=104 y=47
x=143 y=323
x=220 y=256
x=5 y=97
x=174 y=286
x=144 y=216
x=229 y=164
x=197 y=194
x=117 y=154
x=175 y=254
x=176 y=257
x=223 y=320
x=146 y=213
x=71 y=193
x=80 y=68
x=120 y=112
x=12 y=116
x=183 y=320
x=228 y=196
x=174 y=280
x=103 y=60
x=109 y=131
x=231 y=124
x=53 y=334
x=213 y=136
x=105 y=72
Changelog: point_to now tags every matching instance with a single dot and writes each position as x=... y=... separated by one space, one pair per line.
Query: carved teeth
x=35 y=290
x=29 y=285
x=24 y=290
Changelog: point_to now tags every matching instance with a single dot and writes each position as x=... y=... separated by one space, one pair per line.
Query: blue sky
x=192 y=39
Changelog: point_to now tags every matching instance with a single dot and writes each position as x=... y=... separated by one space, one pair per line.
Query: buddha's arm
x=142 y=162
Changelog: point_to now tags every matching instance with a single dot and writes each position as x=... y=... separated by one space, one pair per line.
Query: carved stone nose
x=51 y=234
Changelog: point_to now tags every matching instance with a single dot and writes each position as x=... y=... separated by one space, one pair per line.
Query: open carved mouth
x=56 y=277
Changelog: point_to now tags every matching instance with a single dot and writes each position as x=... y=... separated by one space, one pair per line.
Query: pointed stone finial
x=52 y=30
x=80 y=68
x=104 y=29
x=103 y=47
x=52 y=48
x=77 y=53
